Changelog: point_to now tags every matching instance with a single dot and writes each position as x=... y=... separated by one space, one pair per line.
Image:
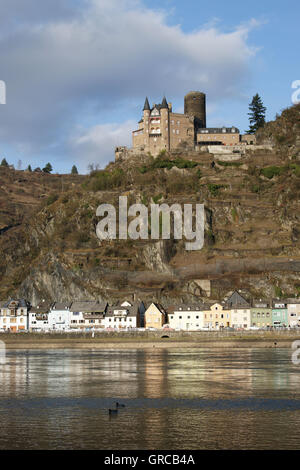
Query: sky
x=77 y=71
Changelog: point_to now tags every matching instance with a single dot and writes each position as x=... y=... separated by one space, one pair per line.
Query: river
x=174 y=399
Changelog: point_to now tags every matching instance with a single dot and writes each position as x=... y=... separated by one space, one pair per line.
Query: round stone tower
x=195 y=105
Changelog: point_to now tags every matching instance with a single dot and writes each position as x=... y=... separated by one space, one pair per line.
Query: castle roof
x=164 y=104
x=146 y=105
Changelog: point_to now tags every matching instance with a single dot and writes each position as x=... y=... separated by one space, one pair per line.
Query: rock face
x=49 y=248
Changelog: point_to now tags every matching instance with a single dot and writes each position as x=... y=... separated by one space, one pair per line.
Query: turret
x=164 y=123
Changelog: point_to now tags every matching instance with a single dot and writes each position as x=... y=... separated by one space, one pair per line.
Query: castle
x=161 y=129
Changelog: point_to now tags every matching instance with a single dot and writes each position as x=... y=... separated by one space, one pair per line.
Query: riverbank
x=151 y=340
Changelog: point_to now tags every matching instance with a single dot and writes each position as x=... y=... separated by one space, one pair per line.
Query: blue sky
x=77 y=72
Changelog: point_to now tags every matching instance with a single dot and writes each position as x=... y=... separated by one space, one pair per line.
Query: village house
x=155 y=316
x=38 y=318
x=87 y=315
x=123 y=316
x=240 y=311
x=217 y=316
x=186 y=317
x=59 y=316
x=280 y=313
x=261 y=313
x=293 y=309
x=14 y=315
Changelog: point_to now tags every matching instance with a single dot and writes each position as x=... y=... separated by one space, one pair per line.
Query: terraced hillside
x=252 y=231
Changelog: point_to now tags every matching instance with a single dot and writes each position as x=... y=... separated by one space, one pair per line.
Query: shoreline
x=150 y=340
x=147 y=344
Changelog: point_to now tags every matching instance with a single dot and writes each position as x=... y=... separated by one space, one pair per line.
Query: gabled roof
x=158 y=306
x=237 y=300
x=87 y=306
x=20 y=303
x=61 y=306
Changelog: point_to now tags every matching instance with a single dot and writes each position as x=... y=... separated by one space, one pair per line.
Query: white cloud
x=65 y=66
x=97 y=144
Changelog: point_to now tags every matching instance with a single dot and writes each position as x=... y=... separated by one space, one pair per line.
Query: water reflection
x=197 y=399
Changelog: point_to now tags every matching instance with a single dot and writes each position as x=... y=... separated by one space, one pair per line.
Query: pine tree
x=257 y=114
x=74 y=170
x=29 y=168
x=48 y=168
x=4 y=162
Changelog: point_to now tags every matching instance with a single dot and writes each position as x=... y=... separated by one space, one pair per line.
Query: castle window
x=172 y=122
x=178 y=123
x=173 y=131
x=177 y=131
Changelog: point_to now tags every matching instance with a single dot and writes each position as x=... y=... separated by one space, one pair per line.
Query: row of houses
x=234 y=312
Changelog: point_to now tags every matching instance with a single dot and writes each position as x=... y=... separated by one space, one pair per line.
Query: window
x=180 y=317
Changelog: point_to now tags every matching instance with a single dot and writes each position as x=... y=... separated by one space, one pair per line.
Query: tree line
x=47 y=168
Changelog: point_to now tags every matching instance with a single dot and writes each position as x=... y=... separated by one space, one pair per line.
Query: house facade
x=217 y=316
x=186 y=317
x=261 y=314
x=240 y=311
x=14 y=315
x=59 y=316
x=122 y=317
x=155 y=316
x=38 y=320
x=280 y=313
x=293 y=309
x=87 y=315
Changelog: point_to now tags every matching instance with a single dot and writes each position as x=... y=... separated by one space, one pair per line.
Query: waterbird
x=119 y=405
x=112 y=412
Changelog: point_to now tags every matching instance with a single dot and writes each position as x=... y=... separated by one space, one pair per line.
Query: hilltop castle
x=161 y=129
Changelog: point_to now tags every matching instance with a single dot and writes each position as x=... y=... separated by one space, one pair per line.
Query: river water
x=174 y=399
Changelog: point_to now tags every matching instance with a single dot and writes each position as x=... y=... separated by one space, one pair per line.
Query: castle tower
x=146 y=115
x=195 y=105
x=165 y=124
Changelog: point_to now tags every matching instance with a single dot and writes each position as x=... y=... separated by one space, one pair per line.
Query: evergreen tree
x=48 y=168
x=74 y=170
x=29 y=168
x=4 y=162
x=257 y=114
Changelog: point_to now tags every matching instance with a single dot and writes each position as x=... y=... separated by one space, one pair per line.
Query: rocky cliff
x=49 y=248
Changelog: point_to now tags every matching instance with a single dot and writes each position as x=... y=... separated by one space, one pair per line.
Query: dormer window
x=155 y=112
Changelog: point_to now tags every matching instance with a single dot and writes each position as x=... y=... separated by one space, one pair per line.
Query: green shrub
x=271 y=171
x=214 y=188
x=236 y=164
x=51 y=199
